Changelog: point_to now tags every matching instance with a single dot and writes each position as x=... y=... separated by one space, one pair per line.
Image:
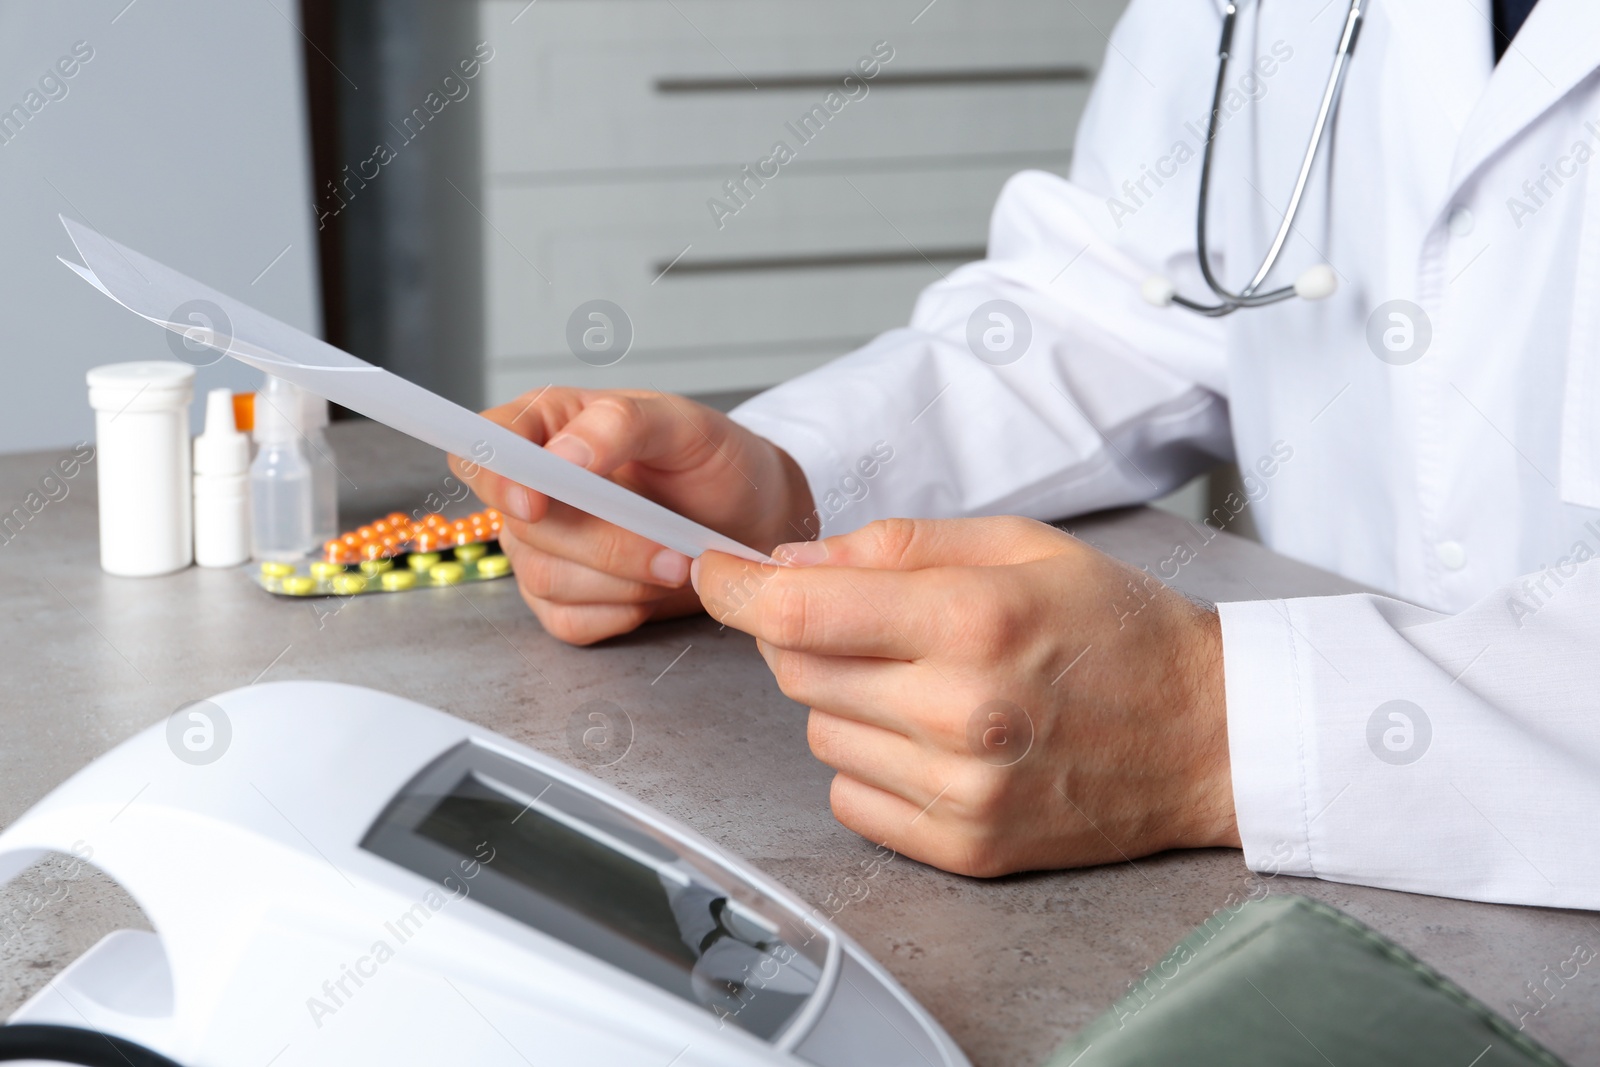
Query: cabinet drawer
x=690 y=373
x=633 y=84
x=823 y=257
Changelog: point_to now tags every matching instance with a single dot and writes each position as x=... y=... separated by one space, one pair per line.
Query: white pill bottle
x=141 y=415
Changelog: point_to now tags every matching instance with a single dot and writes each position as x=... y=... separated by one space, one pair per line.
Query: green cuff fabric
x=1294 y=983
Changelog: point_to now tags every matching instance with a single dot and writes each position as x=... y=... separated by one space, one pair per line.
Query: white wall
x=184 y=137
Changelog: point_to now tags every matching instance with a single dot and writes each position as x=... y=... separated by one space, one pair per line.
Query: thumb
x=915 y=544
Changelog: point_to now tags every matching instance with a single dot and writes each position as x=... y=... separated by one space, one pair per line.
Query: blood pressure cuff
x=1291 y=982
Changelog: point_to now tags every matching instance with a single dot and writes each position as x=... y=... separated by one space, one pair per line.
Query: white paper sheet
x=166 y=297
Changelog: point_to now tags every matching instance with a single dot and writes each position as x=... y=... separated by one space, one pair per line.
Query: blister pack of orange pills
x=394 y=554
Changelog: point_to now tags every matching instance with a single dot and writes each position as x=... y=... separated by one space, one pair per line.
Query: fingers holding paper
x=588 y=579
x=989 y=702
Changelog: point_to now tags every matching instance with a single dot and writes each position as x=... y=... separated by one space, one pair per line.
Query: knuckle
x=891 y=540
x=526 y=410
x=616 y=415
x=558 y=621
x=786 y=616
x=573 y=625
x=982 y=800
x=645 y=597
x=822 y=735
x=945 y=728
x=980 y=858
x=842 y=801
x=985 y=806
x=612 y=553
x=1019 y=526
x=738 y=589
x=536 y=574
x=789 y=671
x=506 y=414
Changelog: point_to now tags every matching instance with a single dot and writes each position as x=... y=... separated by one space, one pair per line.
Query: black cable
x=74 y=1044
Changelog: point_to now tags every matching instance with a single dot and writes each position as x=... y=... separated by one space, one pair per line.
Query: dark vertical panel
x=405 y=184
x=322 y=82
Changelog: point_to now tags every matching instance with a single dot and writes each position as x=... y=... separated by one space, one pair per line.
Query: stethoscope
x=1315 y=283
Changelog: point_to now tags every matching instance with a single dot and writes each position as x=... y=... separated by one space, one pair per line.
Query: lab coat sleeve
x=1378 y=743
x=1112 y=402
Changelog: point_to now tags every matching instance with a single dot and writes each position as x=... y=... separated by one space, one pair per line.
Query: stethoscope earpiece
x=1317 y=283
x=1158 y=291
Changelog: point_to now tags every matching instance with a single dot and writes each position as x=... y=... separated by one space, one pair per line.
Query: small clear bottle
x=280 y=477
x=324 y=474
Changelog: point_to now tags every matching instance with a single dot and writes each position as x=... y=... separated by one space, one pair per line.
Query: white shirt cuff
x=1268 y=735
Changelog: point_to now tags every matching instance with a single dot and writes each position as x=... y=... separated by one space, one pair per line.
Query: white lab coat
x=1466 y=482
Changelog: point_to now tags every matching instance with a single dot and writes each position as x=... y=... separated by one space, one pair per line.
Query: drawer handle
x=902 y=79
x=750 y=264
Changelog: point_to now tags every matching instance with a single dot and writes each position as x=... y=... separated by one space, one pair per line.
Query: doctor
x=1430 y=428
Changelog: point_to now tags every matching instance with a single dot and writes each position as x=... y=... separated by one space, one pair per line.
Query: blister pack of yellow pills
x=413 y=570
x=393 y=556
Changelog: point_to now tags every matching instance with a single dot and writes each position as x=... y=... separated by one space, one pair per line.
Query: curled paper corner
x=168 y=298
x=85 y=273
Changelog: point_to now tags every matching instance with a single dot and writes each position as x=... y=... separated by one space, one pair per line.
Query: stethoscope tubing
x=1248 y=297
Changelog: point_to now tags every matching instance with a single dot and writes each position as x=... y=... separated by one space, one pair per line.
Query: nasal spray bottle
x=280 y=477
x=324 y=474
x=221 y=487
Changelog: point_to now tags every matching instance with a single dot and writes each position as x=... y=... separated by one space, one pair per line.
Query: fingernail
x=801 y=553
x=694 y=574
x=517 y=504
x=669 y=566
x=574 y=450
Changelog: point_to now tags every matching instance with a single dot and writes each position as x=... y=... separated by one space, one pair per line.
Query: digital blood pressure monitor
x=357 y=878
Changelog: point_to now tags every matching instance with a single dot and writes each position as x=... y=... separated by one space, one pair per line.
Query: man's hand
x=996 y=695
x=587 y=579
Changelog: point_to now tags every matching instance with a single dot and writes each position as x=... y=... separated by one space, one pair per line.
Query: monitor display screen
x=570 y=866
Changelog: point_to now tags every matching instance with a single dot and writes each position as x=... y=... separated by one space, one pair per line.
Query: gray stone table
x=1011 y=967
